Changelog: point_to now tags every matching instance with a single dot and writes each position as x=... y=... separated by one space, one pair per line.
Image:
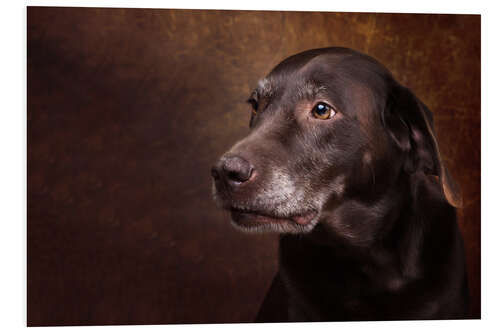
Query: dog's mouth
x=249 y=218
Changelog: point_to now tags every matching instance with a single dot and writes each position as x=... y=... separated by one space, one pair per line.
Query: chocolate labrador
x=343 y=162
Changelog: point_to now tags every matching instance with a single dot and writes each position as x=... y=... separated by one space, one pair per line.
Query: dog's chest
x=319 y=287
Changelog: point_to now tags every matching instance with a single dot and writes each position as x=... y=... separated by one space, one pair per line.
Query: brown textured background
x=128 y=109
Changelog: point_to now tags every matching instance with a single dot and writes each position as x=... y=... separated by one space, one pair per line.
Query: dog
x=343 y=162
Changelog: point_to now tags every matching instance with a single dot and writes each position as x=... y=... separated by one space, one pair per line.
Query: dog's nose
x=234 y=170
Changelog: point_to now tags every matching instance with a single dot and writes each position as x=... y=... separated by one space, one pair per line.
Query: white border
x=13 y=166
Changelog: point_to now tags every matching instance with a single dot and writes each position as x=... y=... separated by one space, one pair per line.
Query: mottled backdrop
x=128 y=109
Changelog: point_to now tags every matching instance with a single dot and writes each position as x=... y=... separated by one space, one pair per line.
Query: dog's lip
x=258 y=217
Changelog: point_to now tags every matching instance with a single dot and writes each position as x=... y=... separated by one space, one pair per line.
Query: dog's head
x=326 y=125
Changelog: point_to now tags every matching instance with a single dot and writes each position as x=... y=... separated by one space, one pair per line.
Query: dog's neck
x=384 y=230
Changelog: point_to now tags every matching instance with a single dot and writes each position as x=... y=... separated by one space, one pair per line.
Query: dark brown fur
x=363 y=201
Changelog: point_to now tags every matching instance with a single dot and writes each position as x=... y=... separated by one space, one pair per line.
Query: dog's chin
x=255 y=221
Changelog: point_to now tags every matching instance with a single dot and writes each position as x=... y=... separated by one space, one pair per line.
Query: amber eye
x=323 y=111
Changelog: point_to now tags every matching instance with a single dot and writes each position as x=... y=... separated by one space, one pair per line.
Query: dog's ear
x=410 y=124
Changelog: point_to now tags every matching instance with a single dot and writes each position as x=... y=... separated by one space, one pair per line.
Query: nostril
x=239 y=176
x=237 y=169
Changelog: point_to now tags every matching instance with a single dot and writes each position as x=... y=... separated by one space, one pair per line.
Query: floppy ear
x=411 y=126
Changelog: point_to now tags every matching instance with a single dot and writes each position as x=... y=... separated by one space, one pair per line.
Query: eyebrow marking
x=310 y=90
x=264 y=88
x=263 y=84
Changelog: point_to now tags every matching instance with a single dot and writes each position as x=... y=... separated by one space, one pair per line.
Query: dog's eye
x=254 y=104
x=323 y=111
